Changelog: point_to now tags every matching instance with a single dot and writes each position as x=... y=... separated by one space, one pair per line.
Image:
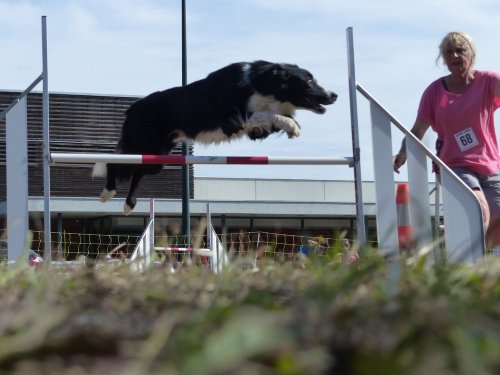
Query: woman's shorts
x=489 y=185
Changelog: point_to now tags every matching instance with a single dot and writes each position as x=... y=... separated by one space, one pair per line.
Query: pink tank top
x=465 y=123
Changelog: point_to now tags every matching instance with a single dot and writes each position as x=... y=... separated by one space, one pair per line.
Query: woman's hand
x=418 y=129
x=398 y=160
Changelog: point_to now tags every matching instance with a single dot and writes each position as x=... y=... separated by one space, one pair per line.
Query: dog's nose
x=332 y=95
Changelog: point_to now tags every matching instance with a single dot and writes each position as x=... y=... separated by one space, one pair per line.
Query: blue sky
x=133 y=47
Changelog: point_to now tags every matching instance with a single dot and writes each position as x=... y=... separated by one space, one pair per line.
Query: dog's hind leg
x=140 y=172
x=131 y=199
x=109 y=190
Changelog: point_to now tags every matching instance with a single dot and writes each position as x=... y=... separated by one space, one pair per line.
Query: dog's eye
x=310 y=82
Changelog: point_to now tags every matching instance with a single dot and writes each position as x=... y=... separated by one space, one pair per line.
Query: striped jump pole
x=202 y=252
x=86 y=158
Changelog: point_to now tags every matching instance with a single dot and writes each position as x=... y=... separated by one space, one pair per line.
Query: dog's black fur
x=249 y=98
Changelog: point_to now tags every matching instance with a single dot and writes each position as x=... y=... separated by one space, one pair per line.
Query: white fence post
x=420 y=218
x=219 y=257
x=384 y=182
x=463 y=223
x=17 y=179
x=141 y=257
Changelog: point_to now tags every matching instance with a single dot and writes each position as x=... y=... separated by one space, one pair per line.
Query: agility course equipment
x=17 y=161
x=65 y=158
x=143 y=254
x=464 y=235
x=405 y=235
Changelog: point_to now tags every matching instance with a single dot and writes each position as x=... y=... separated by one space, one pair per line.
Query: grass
x=312 y=316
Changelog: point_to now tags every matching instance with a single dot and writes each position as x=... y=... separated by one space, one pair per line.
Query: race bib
x=466 y=139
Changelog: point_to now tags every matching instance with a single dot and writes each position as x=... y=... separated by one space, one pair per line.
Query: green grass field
x=312 y=316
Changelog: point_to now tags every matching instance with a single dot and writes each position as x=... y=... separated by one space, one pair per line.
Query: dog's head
x=290 y=83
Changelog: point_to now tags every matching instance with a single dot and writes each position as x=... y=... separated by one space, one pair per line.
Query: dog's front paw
x=294 y=131
x=287 y=124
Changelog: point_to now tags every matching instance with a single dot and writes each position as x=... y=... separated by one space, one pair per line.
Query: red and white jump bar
x=201 y=252
x=81 y=158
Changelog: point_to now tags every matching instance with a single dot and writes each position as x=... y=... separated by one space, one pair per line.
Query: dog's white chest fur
x=217 y=136
x=261 y=103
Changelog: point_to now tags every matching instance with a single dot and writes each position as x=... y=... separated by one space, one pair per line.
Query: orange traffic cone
x=405 y=234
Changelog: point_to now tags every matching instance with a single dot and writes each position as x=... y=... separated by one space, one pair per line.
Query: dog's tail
x=99 y=170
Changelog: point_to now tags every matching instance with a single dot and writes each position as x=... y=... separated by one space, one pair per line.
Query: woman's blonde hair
x=457 y=39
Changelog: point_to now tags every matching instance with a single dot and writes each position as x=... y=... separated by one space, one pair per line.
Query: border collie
x=252 y=99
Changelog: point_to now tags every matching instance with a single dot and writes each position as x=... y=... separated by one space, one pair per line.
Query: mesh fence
x=238 y=244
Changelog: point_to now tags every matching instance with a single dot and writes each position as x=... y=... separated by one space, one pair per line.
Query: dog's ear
x=279 y=71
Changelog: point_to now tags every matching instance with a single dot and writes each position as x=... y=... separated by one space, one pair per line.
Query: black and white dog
x=251 y=99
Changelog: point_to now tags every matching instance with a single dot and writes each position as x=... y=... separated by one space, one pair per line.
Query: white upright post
x=212 y=245
x=17 y=179
x=384 y=182
x=419 y=193
x=464 y=231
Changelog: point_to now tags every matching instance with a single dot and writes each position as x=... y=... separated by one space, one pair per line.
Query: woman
x=460 y=108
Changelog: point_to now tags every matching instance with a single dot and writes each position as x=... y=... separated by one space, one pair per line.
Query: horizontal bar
x=202 y=252
x=81 y=158
x=184 y=249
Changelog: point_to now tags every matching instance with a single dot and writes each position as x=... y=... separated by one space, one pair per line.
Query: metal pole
x=214 y=259
x=59 y=223
x=46 y=146
x=223 y=230
x=186 y=221
x=209 y=226
x=358 y=182
x=152 y=225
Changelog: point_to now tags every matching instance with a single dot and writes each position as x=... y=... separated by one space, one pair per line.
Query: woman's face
x=458 y=57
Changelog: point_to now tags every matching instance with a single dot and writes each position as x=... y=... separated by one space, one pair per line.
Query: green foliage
x=314 y=315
